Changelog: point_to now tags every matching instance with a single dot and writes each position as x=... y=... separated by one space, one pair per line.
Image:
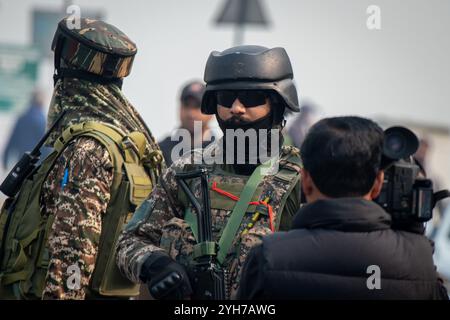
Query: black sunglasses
x=249 y=98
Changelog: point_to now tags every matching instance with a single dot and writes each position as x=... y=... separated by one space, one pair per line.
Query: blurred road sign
x=44 y=26
x=18 y=74
x=240 y=13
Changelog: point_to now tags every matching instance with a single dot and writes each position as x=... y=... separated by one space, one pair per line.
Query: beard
x=247 y=152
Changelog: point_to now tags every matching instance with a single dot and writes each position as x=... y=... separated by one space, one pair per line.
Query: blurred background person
x=300 y=124
x=422 y=156
x=27 y=131
x=422 y=153
x=189 y=112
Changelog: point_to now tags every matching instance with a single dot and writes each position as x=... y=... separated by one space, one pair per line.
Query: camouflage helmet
x=95 y=47
x=249 y=67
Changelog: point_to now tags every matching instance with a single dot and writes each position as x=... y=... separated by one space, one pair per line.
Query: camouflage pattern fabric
x=157 y=227
x=79 y=204
x=95 y=47
x=87 y=101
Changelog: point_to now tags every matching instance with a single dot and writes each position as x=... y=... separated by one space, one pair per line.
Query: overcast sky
x=402 y=70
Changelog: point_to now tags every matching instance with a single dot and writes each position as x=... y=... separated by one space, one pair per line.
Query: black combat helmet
x=249 y=68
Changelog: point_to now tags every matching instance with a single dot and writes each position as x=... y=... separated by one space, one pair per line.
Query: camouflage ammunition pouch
x=24 y=228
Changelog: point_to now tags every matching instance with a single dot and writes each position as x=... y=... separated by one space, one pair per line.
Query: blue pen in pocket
x=65 y=178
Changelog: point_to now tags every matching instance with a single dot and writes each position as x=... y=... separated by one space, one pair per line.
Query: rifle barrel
x=36 y=150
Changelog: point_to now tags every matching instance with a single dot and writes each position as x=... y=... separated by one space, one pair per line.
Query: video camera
x=407 y=195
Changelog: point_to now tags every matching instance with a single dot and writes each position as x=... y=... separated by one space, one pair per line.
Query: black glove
x=165 y=278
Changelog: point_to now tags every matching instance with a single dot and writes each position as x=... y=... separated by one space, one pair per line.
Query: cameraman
x=341 y=245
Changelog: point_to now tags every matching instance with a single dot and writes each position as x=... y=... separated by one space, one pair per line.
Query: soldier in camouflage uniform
x=90 y=63
x=80 y=200
x=247 y=87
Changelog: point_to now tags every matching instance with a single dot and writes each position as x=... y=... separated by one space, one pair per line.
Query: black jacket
x=329 y=250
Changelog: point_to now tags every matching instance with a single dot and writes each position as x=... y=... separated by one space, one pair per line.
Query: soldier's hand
x=165 y=278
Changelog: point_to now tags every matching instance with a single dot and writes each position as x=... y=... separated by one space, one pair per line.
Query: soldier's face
x=242 y=113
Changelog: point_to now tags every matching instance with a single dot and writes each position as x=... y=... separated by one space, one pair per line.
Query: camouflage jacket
x=158 y=224
x=78 y=202
x=77 y=189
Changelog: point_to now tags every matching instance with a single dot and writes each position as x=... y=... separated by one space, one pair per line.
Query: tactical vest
x=24 y=226
x=179 y=235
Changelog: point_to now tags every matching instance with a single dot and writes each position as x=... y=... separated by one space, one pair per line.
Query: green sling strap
x=288 y=173
x=191 y=220
x=85 y=128
x=235 y=220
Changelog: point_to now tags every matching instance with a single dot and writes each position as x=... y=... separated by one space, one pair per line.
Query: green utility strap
x=191 y=220
x=206 y=248
x=203 y=248
x=112 y=133
x=9 y=278
x=235 y=220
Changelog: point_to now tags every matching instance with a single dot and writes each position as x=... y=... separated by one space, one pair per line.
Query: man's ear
x=377 y=185
x=307 y=183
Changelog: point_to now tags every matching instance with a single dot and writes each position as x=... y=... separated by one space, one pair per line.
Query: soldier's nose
x=237 y=107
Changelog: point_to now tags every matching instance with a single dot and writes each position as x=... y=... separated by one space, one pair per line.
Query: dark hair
x=343 y=155
x=190 y=101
